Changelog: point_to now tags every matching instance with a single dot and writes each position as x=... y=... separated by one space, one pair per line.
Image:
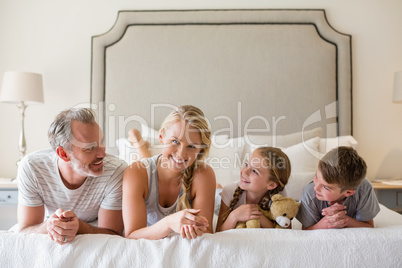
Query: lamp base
x=22 y=144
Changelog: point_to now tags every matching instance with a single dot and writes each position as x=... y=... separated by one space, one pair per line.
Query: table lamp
x=397 y=97
x=22 y=88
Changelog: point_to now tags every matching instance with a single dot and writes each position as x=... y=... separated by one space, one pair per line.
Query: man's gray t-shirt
x=40 y=184
x=362 y=205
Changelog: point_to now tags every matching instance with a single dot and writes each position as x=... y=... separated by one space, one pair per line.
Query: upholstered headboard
x=274 y=71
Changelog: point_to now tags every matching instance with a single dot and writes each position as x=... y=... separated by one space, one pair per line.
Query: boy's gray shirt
x=362 y=205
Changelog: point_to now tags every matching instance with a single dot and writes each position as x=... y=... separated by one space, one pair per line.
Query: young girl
x=173 y=191
x=265 y=173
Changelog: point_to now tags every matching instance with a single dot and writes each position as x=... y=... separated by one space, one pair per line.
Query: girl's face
x=254 y=176
x=181 y=145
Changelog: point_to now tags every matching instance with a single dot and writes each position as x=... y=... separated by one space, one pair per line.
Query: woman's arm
x=203 y=194
x=135 y=190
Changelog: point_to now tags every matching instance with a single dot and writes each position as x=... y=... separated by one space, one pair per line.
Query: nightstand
x=8 y=203
x=389 y=195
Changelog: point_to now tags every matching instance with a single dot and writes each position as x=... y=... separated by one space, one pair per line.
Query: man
x=64 y=188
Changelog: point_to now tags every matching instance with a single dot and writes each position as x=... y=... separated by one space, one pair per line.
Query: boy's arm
x=309 y=213
x=319 y=225
x=355 y=223
x=335 y=217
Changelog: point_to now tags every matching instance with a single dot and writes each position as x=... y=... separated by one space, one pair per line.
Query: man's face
x=88 y=149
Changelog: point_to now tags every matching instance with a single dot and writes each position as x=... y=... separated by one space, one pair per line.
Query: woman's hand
x=188 y=223
x=191 y=231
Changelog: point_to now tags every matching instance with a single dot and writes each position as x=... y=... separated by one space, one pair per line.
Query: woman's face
x=181 y=145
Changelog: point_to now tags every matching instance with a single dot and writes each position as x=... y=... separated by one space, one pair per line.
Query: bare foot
x=136 y=140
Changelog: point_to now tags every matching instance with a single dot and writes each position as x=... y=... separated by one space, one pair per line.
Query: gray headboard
x=278 y=70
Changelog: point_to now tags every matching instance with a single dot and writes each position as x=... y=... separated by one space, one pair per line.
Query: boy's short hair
x=343 y=166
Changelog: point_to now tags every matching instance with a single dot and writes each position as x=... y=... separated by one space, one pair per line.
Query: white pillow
x=304 y=156
x=327 y=144
x=296 y=183
x=226 y=158
x=281 y=140
x=149 y=134
x=126 y=151
x=304 y=159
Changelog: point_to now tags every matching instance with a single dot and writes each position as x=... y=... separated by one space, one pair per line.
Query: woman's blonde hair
x=195 y=118
x=279 y=167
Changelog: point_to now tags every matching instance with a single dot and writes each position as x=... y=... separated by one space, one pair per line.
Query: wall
x=54 y=38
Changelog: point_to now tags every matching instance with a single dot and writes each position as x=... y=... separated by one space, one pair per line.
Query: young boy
x=340 y=196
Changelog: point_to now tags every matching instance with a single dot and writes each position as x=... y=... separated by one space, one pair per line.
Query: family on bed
x=64 y=189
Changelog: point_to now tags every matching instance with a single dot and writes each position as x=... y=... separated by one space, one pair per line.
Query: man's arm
x=67 y=225
x=63 y=226
x=109 y=222
x=30 y=219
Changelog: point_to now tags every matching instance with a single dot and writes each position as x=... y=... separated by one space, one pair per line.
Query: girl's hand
x=246 y=212
x=187 y=217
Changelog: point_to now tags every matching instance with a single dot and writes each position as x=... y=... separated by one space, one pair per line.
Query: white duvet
x=358 y=247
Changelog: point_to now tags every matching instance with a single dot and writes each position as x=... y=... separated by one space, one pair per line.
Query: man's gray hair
x=60 y=133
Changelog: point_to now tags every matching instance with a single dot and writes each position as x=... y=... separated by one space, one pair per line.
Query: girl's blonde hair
x=195 y=118
x=279 y=167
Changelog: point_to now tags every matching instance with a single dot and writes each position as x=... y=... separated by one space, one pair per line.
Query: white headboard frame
x=112 y=70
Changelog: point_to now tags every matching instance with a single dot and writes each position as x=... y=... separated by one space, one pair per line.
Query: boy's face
x=325 y=191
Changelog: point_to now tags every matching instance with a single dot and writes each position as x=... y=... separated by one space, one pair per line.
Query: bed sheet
x=357 y=247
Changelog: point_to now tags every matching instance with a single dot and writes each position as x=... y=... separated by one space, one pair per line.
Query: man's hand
x=63 y=226
x=335 y=216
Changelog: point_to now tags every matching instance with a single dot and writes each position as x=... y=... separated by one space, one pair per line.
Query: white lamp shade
x=22 y=87
x=397 y=97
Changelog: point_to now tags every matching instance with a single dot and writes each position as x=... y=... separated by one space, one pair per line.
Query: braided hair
x=279 y=171
x=195 y=118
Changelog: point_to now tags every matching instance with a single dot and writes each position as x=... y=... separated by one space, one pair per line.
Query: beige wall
x=54 y=38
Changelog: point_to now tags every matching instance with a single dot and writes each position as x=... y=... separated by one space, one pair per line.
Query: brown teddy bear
x=282 y=211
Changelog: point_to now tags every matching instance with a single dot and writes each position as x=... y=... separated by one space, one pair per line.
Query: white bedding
x=358 y=247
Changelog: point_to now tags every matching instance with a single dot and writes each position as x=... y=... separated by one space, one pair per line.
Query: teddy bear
x=282 y=210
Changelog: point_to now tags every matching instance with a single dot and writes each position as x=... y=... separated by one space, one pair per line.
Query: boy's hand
x=335 y=216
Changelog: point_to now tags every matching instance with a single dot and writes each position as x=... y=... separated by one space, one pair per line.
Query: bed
x=262 y=77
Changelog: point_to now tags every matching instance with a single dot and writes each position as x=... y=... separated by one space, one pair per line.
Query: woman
x=174 y=191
